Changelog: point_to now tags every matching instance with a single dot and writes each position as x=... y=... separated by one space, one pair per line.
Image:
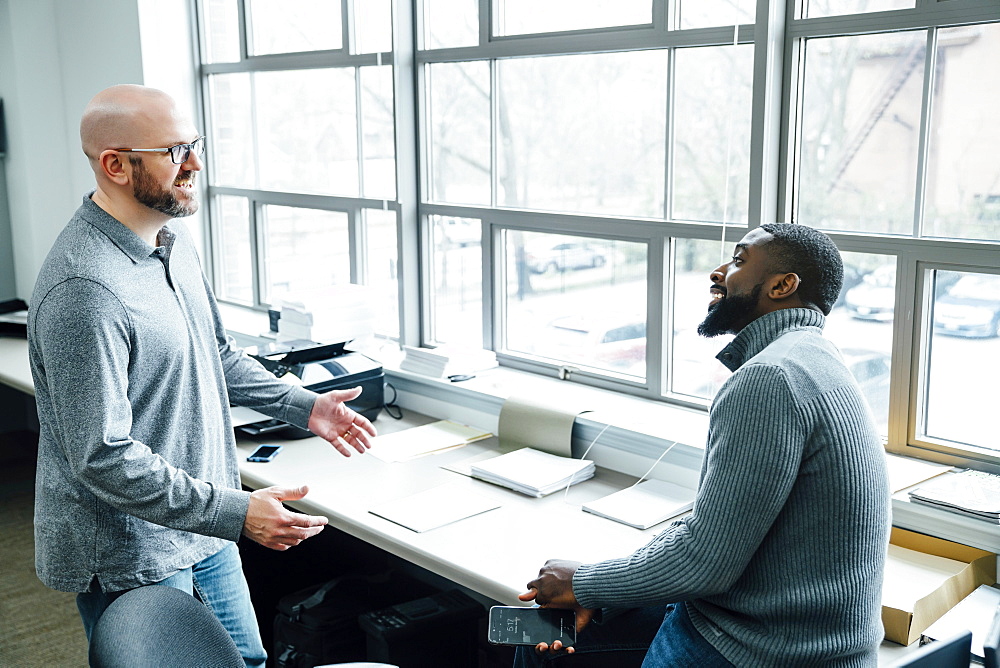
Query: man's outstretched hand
x=272 y=525
x=333 y=421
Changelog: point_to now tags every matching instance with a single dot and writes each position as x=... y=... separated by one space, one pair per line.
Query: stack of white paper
x=971 y=493
x=533 y=472
x=644 y=505
x=447 y=360
x=333 y=315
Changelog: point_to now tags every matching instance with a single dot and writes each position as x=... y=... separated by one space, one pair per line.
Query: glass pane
x=711 y=170
x=583 y=133
x=860 y=132
x=459 y=132
x=378 y=132
x=577 y=300
x=695 y=371
x=708 y=13
x=966 y=326
x=456 y=280
x=231 y=157
x=816 y=8
x=221 y=31
x=373 y=21
x=235 y=270
x=861 y=326
x=449 y=23
x=963 y=180
x=519 y=17
x=380 y=233
x=308 y=131
x=279 y=26
x=305 y=250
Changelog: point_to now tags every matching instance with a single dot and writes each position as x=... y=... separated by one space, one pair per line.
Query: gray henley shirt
x=137 y=474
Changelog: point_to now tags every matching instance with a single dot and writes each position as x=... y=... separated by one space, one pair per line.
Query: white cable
x=583 y=456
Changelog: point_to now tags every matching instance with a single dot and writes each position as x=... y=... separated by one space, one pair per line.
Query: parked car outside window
x=970 y=307
x=564 y=256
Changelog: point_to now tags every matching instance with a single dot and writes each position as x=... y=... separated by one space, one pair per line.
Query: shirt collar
x=764 y=330
x=127 y=241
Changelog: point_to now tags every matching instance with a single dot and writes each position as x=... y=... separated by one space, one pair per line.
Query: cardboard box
x=924 y=578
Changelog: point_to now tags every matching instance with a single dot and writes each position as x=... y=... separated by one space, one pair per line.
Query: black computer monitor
x=991 y=644
x=953 y=652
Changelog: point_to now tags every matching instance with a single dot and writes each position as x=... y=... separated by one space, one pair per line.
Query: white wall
x=54 y=56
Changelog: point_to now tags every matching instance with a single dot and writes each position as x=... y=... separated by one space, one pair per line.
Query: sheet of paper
x=644 y=505
x=243 y=415
x=905 y=472
x=464 y=466
x=540 y=423
x=435 y=507
x=438 y=436
x=911 y=575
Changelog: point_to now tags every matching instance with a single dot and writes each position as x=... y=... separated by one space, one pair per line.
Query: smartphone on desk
x=513 y=625
x=264 y=453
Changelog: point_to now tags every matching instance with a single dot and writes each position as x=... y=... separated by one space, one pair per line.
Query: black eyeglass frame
x=182 y=151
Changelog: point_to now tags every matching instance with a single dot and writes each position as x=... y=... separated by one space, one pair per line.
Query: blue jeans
x=653 y=637
x=218 y=582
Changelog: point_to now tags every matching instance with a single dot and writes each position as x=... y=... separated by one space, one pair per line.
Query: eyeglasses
x=179 y=153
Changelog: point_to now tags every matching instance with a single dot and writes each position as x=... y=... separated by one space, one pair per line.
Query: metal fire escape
x=895 y=79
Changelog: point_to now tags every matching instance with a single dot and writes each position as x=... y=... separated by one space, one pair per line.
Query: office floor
x=41 y=627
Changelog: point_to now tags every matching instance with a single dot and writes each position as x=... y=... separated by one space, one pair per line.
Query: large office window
x=578 y=169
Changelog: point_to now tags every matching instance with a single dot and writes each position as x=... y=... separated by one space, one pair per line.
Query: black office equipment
x=438 y=631
x=954 y=652
x=323 y=368
x=13 y=318
x=319 y=624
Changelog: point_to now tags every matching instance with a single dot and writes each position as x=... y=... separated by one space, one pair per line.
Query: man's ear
x=783 y=286
x=111 y=164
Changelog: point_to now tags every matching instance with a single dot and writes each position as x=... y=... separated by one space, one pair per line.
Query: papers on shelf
x=417 y=441
x=971 y=493
x=447 y=360
x=334 y=314
x=435 y=507
x=644 y=505
x=533 y=472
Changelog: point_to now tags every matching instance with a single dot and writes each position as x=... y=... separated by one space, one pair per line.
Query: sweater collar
x=127 y=241
x=764 y=330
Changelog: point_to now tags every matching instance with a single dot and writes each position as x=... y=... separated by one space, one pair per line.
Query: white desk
x=494 y=553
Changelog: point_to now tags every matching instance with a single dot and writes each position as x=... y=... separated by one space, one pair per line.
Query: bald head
x=125 y=116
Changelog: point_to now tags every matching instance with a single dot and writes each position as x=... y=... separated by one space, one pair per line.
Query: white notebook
x=533 y=472
x=644 y=505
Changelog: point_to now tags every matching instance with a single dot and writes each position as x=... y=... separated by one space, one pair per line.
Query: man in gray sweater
x=780 y=562
x=137 y=480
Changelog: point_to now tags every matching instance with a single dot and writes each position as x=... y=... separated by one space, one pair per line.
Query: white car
x=564 y=256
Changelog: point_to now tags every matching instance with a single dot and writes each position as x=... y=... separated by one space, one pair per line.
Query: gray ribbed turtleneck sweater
x=780 y=562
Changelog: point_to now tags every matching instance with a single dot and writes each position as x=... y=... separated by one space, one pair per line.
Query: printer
x=322 y=368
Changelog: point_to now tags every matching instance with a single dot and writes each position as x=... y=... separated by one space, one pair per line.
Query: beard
x=148 y=192
x=730 y=314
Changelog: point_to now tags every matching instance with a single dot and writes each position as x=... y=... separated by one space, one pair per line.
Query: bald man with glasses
x=137 y=480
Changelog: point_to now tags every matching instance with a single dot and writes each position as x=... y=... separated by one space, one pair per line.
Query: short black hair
x=813 y=256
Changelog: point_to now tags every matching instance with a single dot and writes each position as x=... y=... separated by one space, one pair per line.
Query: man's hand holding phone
x=553 y=588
